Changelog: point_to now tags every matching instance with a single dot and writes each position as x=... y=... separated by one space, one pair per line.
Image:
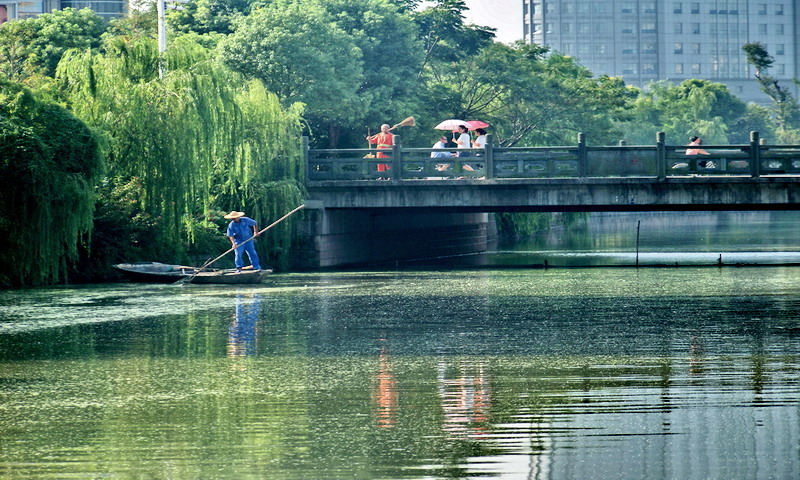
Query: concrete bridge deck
x=441 y=206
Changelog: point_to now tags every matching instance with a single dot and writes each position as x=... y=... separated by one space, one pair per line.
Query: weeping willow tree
x=198 y=141
x=49 y=166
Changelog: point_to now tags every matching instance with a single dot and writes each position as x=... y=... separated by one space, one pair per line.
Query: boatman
x=240 y=230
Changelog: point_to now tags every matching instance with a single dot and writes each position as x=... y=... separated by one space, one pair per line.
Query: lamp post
x=161 y=7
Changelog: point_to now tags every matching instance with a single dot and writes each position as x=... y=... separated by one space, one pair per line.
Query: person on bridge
x=462 y=139
x=441 y=145
x=695 y=141
x=240 y=230
x=384 y=141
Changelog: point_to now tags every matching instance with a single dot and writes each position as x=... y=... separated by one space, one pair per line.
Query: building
x=642 y=41
x=19 y=9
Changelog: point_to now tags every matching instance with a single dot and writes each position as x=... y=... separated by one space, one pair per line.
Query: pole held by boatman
x=240 y=230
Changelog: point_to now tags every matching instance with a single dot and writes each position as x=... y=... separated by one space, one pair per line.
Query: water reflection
x=671 y=373
x=242 y=333
x=386 y=394
x=466 y=398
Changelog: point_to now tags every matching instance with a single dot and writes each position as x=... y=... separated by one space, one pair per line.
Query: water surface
x=602 y=373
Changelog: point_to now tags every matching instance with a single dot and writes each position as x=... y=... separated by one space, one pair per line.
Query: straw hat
x=234 y=214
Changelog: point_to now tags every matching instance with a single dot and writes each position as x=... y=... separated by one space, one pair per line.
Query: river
x=422 y=373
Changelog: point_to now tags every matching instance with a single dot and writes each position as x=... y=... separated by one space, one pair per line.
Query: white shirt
x=465 y=141
x=440 y=144
x=479 y=142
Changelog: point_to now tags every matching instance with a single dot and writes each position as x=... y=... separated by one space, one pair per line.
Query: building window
x=629 y=51
x=536 y=8
x=648 y=7
x=629 y=69
x=628 y=28
x=677 y=7
x=678 y=48
x=537 y=28
x=695 y=7
x=600 y=48
x=781 y=69
x=566 y=28
x=695 y=49
x=584 y=8
x=525 y=29
x=695 y=28
x=780 y=49
x=779 y=10
x=548 y=28
x=779 y=29
x=679 y=69
x=567 y=8
x=695 y=69
x=677 y=28
x=762 y=28
x=584 y=28
x=550 y=7
x=648 y=27
x=599 y=7
x=762 y=8
x=567 y=48
x=648 y=68
x=628 y=8
x=649 y=47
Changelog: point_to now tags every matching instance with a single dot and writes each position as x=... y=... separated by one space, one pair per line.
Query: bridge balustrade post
x=489 y=155
x=755 y=155
x=582 y=162
x=397 y=162
x=661 y=155
x=306 y=157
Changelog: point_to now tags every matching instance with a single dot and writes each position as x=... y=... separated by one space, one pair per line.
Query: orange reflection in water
x=385 y=394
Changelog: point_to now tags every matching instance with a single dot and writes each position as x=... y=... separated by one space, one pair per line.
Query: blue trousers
x=251 y=254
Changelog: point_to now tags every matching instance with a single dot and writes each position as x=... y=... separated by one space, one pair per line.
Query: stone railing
x=575 y=161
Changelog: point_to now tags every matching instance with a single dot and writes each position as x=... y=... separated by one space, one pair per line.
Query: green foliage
x=49 y=165
x=695 y=107
x=517 y=225
x=199 y=140
x=301 y=55
x=35 y=45
x=784 y=106
x=392 y=54
x=529 y=96
x=209 y=16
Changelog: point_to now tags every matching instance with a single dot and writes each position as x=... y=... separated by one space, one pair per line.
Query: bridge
x=423 y=206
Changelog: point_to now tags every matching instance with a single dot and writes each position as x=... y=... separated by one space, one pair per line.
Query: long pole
x=189 y=279
x=638 y=224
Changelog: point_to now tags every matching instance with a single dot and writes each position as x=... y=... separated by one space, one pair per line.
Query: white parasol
x=451 y=125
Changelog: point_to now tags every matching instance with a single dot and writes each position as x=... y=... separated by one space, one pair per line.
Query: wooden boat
x=230 y=277
x=155 y=272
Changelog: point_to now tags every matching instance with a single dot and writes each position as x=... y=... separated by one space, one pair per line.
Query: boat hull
x=155 y=272
x=230 y=277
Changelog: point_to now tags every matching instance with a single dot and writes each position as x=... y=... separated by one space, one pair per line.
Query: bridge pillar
x=334 y=238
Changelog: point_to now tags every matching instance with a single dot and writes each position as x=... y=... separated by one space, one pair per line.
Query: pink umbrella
x=476 y=124
x=451 y=124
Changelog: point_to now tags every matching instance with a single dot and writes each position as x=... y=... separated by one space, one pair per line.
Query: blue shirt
x=241 y=230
